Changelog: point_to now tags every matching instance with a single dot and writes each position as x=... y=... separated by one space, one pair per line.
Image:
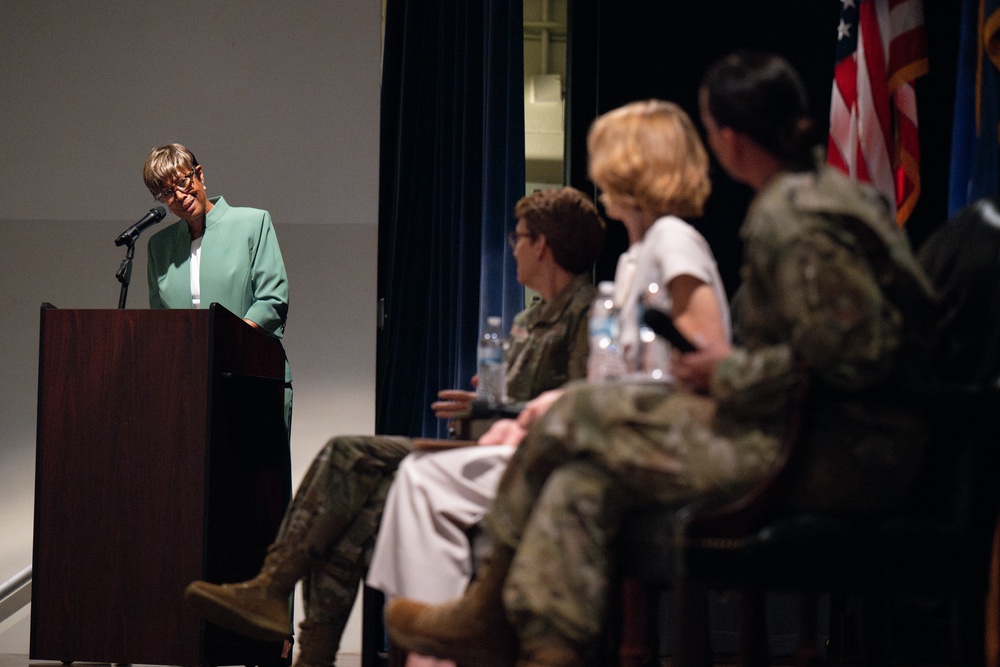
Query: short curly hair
x=570 y=222
x=650 y=152
x=163 y=162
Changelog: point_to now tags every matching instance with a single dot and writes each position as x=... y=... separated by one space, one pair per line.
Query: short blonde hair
x=650 y=153
x=163 y=162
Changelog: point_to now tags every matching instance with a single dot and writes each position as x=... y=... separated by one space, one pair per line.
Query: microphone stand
x=129 y=237
x=124 y=274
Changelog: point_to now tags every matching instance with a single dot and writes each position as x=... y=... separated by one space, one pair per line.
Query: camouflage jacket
x=548 y=342
x=831 y=292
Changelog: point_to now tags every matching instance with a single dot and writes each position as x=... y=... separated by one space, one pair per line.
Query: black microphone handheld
x=132 y=233
x=663 y=325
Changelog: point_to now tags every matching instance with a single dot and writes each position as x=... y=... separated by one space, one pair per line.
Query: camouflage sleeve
x=579 y=343
x=757 y=382
x=834 y=318
x=843 y=328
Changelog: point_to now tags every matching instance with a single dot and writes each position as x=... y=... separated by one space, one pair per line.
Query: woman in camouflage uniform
x=329 y=529
x=831 y=294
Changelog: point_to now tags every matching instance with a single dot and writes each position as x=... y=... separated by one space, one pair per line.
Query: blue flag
x=974 y=147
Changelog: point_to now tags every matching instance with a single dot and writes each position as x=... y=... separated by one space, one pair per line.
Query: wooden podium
x=162 y=457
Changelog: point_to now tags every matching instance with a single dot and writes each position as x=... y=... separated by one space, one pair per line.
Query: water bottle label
x=603 y=326
x=490 y=355
x=492 y=382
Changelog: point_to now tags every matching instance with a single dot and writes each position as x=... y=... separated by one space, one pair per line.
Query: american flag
x=881 y=50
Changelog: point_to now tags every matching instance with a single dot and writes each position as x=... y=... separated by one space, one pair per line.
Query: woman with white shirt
x=647 y=159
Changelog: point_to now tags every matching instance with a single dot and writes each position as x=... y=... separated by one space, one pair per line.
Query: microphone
x=663 y=325
x=132 y=233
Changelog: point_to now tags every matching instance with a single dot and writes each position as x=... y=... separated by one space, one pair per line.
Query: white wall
x=279 y=101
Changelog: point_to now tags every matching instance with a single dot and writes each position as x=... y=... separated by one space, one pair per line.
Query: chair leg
x=753 y=630
x=373 y=640
x=968 y=629
x=992 y=619
x=807 y=654
x=638 y=646
x=689 y=626
x=397 y=656
x=876 y=629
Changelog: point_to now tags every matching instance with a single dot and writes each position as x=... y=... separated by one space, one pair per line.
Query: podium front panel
x=126 y=438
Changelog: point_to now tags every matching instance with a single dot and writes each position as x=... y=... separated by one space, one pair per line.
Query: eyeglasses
x=183 y=185
x=514 y=236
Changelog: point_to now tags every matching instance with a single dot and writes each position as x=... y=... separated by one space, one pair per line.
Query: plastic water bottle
x=492 y=385
x=605 y=359
x=654 y=352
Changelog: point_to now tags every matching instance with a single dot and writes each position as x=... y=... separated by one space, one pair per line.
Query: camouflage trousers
x=335 y=516
x=599 y=452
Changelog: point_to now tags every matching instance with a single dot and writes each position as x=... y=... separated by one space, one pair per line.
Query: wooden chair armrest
x=480 y=416
x=744 y=514
x=433 y=444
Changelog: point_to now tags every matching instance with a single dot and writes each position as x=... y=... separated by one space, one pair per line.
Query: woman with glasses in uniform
x=215 y=253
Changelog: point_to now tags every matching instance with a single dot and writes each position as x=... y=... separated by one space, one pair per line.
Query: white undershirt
x=670 y=248
x=196 y=272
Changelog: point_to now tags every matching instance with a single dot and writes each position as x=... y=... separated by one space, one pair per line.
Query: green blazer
x=241 y=269
x=241 y=266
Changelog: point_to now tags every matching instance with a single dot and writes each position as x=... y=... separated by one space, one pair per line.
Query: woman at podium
x=215 y=253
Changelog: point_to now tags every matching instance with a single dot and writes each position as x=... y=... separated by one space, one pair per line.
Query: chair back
x=958 y=478
x=962 y=259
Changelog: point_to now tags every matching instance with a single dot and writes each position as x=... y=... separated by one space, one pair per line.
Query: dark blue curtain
x=975 y=162
x=451 y=170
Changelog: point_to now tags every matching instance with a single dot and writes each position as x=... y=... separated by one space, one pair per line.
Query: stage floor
x=14 y=660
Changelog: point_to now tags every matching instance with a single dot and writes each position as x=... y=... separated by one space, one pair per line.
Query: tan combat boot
x=472 y=630
x=256 y=608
